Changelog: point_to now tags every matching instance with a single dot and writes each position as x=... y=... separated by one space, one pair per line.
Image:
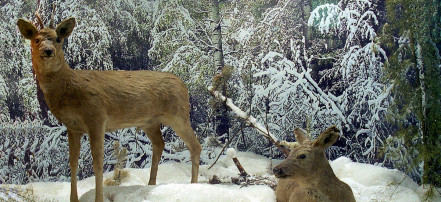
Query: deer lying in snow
x=94 y=102
x=306 y=174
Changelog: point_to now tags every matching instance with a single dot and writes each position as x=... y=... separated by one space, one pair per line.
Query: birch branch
x=250 y=120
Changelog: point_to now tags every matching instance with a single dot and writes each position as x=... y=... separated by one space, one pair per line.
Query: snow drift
x=368 y=183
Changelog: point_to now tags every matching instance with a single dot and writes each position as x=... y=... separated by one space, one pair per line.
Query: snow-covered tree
x=128 y=24
x=4 y=112
x=355 y=76
x=17 y=99
x=312 y=82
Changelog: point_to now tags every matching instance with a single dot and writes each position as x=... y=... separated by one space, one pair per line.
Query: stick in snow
x=232 y=154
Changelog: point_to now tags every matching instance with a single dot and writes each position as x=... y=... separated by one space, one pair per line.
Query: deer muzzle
x=48 y=52
x=47 y=49
x=278 y=172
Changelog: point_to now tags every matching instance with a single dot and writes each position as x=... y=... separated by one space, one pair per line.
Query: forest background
x=371 y=67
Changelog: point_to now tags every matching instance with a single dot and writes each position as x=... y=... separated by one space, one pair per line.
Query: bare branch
x=223 y=149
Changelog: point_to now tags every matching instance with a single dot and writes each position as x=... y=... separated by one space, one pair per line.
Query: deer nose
x=277 y=171
x=48 y=52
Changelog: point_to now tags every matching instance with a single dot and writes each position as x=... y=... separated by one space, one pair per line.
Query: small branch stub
x=232 y=154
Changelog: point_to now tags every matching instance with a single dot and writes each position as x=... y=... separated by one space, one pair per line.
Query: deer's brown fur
x=94 y=102
x=306 y=174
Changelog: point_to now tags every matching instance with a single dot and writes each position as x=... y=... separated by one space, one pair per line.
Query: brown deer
x=306 y=174
x=94 y=102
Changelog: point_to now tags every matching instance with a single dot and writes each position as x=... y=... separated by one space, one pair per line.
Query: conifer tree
x=412 y=38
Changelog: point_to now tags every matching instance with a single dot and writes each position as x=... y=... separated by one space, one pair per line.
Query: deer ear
x=65 y=28
x=327 y=138
x=300 y=136
x=27 y=29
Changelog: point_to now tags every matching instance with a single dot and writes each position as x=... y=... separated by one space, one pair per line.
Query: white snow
x=231 y=152
x=243 y=35
x=368 y=182
x=325 y=17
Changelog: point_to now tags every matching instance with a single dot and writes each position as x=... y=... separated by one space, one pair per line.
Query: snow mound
x=184 y=192
x=368 y=183
x=374 y=183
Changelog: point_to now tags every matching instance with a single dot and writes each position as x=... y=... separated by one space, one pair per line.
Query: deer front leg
x=97 y=147
x=74 y=140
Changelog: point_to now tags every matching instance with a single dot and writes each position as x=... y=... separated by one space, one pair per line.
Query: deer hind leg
x=185 y=131
x=153 y=132
x=97 y=147
x=74 y=140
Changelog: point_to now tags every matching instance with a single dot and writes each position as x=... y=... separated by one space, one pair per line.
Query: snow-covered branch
x=243 y=115
x=248 y=119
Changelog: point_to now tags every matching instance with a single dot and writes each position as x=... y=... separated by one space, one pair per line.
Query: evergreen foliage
x=412 y=37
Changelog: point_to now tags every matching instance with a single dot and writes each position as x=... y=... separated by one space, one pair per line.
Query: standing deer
x=94 y=102
x=306 y=175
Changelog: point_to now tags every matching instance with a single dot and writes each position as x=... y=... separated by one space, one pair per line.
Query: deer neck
x=324 y=176
x=327 y=172
x=52 y=73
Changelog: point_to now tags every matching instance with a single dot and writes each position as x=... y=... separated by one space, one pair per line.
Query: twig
x=208 y=121
x=223 y=149
x=397 y=187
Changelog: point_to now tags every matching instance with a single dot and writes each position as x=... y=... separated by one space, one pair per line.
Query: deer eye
x=37 y=40
x=302 y=156
x=58 y=40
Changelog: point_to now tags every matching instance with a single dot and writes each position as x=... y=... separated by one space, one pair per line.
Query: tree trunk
x=217 y=36
x=221 y=113
x=422 y=110
x=307 y=31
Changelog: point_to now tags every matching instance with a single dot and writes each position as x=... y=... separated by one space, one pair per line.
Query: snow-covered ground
x=368 y=182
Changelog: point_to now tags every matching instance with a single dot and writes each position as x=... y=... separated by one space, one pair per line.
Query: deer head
x=46 y=44
x=307 y=160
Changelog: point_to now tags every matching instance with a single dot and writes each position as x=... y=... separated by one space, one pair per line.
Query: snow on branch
x=358 y=19
x=326 y=17
x=243 y=115
x=248 y=119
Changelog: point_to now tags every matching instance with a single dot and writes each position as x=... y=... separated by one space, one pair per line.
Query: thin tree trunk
x=307 y=30
x=422 y=115
x=221 y=118
x=217 y=36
